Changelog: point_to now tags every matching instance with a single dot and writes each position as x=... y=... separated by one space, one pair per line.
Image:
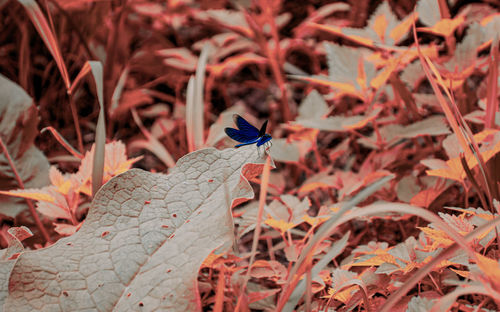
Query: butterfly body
x=247 y=134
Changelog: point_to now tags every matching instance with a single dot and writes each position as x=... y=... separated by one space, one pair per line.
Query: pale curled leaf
x=143 y=240
x=18 y=129
x=14 y=238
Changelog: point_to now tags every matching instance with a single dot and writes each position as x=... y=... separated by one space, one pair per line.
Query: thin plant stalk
x=256 y=234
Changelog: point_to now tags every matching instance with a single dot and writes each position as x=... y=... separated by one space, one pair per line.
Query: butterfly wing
x=245 y=127
x=240 y=136
x=262 y=130
x=264 y=139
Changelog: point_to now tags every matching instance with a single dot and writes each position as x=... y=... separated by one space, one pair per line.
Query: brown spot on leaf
x=174 y=215
x=65 y=293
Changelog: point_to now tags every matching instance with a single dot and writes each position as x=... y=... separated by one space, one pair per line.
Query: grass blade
x=63 y=142
x=492 y=86
x=337 y=248
x=455 y=118
x=41 y=25
x=95 y=68
x=195 y=105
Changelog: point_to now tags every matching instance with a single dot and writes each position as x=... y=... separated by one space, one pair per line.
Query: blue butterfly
x=248 y=134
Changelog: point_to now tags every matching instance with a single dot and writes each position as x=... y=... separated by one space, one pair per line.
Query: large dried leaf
x=18 y=129
x=143 y=241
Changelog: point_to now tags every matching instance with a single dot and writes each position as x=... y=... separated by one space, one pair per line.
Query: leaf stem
x=31 y=207
x=74 y=114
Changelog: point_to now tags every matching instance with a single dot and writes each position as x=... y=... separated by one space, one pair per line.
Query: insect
x=247 y=134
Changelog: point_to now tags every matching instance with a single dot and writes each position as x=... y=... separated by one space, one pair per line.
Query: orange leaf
x=380 y=25
x=445 y=27
x=490 y=269
x=268 y=269
x=441 y=239
x=378 y=259
x=338 y=31
x=33 y=194
x=425 y=197
x=402 y=28
x=464 y=274
x=455 y=170
x=341 y=86
x=280 y=225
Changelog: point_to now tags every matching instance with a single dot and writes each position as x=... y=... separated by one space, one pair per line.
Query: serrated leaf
x=381 y=25
x=285 y=151
x=313 y=106
x=18 y=129
x=383 y=28
x=143 y=241
x=419 y=304
x=428 y=12
x=464 y=59
x=445 y=27
x=343 y=64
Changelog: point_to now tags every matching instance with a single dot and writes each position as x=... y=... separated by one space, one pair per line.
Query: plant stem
x=74 y=113
x=31 y=207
